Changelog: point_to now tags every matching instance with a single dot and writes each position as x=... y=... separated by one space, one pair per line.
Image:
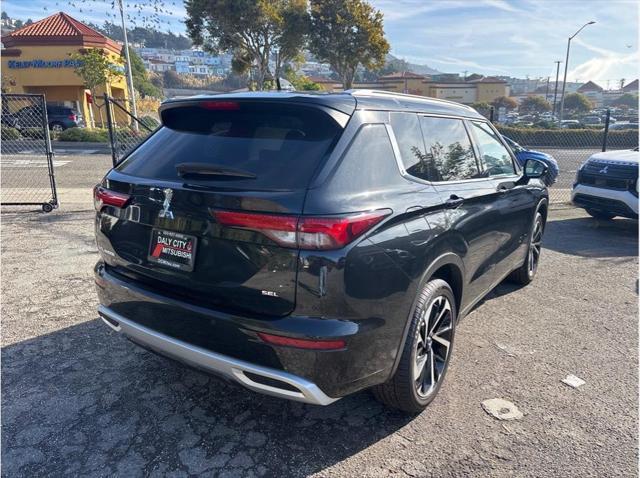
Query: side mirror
x=534 y=169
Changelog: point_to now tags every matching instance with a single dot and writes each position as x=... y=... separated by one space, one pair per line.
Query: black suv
x=310 y=246
x=60 y=117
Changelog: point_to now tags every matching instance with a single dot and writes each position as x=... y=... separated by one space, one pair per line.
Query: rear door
x=212 y=166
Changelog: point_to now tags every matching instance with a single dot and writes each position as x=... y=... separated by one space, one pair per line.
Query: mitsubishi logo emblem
x=604 y=170
x=166 y=212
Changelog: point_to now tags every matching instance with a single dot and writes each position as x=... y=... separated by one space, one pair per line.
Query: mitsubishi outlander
x=309 y=246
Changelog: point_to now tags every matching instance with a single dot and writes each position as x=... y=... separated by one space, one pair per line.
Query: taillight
x=304 y=232
x=219 y=105
x=302 y=343
x=72 y=117
x=106 y=197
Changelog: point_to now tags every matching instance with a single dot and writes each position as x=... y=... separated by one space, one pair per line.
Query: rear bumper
x=620 y=203
x=225 y=343
x=278 y=383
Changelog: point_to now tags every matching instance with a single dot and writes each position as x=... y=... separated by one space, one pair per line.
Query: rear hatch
x=203 y=209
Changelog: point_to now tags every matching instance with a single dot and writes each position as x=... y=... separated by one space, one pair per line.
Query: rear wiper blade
x=211 y=170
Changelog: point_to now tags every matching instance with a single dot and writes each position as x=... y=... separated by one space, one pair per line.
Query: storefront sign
x=44 y=64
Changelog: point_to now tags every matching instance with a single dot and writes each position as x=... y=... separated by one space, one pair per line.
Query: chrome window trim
x=400 y=163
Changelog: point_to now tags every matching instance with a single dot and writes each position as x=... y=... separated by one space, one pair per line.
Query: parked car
x=311 y=246
x=591 y=120
x=569 y=123
x=623 y=126
x=522 y=154
x=606 y=185
x=59 y=117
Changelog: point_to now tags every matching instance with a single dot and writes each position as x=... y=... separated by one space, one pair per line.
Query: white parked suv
x=607 y=184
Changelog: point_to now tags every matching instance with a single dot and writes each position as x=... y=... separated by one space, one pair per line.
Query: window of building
x=448 y=152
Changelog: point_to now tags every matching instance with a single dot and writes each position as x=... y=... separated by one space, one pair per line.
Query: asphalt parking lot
x=79 y=400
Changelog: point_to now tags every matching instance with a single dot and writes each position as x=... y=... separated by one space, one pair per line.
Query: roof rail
x=357 y=92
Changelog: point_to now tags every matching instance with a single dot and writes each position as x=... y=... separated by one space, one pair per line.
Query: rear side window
x=449 y=155
x=406 y=128
x=281 y=145
x=496 y=158
x=368 y=165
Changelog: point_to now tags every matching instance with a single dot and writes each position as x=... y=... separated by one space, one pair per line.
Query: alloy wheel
x=535 y=246
x=433 y=344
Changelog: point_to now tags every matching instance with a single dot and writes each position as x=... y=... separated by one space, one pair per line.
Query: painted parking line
x=30 y=163
x=58 y=152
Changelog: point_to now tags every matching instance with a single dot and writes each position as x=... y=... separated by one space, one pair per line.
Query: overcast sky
x=492 y=37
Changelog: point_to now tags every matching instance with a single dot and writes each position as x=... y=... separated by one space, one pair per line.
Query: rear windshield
x=281 y=145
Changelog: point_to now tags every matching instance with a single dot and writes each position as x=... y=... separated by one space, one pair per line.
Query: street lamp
x=566 y=67
x=132 y=94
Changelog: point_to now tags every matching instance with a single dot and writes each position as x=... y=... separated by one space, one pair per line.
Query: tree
x=4 y=16
x=473 y=76
x=345 y=34
x=253 y=31
x=96 y=69
x=483 y=108
x=300 y=82
x=627 y=99
x=171 y=79
x=504 y=102
x=149 y=37
x=577 y=103
x=141 y=80
x=28 y=22
x=534 y=104
x=18 y=24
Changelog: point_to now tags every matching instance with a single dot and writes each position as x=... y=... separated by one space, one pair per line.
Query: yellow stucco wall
x=414 y=86
x=58 y=84
x=487 y=92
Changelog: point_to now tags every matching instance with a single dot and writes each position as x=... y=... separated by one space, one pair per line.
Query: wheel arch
x=543 y=208
x=448 y=267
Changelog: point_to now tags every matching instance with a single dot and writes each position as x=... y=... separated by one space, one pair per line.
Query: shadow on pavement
x=84 y=402
x=588 y=237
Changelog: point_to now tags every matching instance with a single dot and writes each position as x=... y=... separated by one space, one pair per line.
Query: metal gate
x=26 y=157
x=126 y=131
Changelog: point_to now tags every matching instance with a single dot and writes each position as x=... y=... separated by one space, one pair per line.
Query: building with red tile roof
x=37 y=58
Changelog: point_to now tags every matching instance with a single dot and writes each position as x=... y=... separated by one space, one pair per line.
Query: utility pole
x=566 y=67
x=546 y=93
x=555 y=92
x=132 y=94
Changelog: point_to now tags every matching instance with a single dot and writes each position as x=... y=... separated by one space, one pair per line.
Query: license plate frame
x=175 y=250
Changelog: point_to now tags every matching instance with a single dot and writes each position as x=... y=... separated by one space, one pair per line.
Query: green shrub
x=85 y=135
x=150 y=122
x=8 y=133
x=32 y=133
x=570 y=138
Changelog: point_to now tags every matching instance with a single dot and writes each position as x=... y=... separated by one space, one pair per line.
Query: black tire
x=56 y=127
x=604 y=216
x=403 y=390
x=46 y=207
x=525 y=274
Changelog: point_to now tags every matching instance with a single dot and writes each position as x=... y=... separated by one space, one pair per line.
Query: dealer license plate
x=172 y=249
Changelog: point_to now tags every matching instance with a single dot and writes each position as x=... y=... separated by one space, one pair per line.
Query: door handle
x=505 y=187
x=453 y=202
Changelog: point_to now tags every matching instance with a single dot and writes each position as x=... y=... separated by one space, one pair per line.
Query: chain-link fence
x=126 y=131
x=570 y=148
x=26 y=158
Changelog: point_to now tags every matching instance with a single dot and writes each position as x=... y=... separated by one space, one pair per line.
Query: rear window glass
x=281 y=145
